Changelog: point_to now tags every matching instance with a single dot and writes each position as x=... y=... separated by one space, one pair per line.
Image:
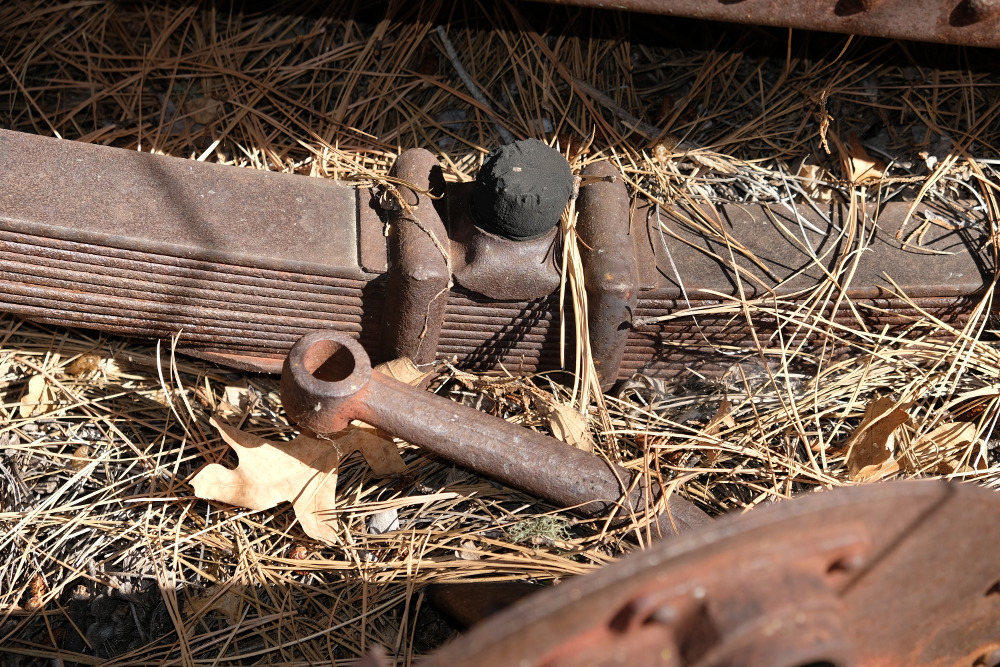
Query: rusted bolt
x=989 y=659
x=327 y=381
x=969 y=12
x=980 y=10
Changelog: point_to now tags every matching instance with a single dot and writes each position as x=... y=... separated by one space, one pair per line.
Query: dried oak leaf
x=813 y=178
x=301 y=471
x=566 y=422
x=862 y=168
x=85 y=363
x=950 y=437
x=204 y=110
x=236 y=400
x=871 y=447
x=36 y=397
x=723 y=419
x=468 y=551
x=404 y=370
x=228 y=602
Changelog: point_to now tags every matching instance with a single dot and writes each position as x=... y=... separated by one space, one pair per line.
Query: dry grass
x=105 y=552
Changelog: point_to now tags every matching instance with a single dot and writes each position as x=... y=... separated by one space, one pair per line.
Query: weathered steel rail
x=240 y=263
x=966 y=22
x=888 y=574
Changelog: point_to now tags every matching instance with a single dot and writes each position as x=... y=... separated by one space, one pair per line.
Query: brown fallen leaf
x=35 y=397
x=566 y=422
x=951 y=466
x=204 y=110
x=228 y=602
x=951 y=435
x=268 y=472
x=862 y=168
x=377 y=446
x=813 y=179
x=236 y=400
x=468 y=551
x=870 y=449
x=663 y=151
x=948 y=438
x=404 y=370
x=85 y=363
x=301 y=471
x=723 y=417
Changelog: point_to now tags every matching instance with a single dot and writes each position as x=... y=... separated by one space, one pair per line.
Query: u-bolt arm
x=419 y=272
x=327 y=381
x=611 y=272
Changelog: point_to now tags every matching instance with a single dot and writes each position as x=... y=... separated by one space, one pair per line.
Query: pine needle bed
x=106 y=556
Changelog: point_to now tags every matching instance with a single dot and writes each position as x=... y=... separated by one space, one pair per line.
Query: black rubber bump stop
x=521 y=190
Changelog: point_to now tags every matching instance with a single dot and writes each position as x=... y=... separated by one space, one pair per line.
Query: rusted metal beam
x=240 y=263
x=965 y=22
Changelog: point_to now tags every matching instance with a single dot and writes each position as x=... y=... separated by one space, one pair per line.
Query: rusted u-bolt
x=327 y=381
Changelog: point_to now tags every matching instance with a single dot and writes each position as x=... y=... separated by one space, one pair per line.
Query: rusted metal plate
x=968 y=22
x=175 y=207
x=853 y=576
x=247 y=291
x=779 y=246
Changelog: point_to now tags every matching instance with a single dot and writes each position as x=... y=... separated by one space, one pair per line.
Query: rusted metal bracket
x=850 y=577
x=424 y=253
x=968 y=22
x=240 y=264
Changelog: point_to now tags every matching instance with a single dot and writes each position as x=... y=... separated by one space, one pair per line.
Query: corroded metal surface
x=238 y=286
x=217 y=213
x=890 y=574
x=465 y=604
x=327 y=381
x=969 y=22
x=611 y=272
x=419 y=275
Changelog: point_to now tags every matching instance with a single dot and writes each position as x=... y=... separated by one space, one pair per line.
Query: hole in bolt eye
x=990 y=659
x=851 y=7
x=845 y=565
x=993 y=590
x=838 y=566
x=329 y=361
